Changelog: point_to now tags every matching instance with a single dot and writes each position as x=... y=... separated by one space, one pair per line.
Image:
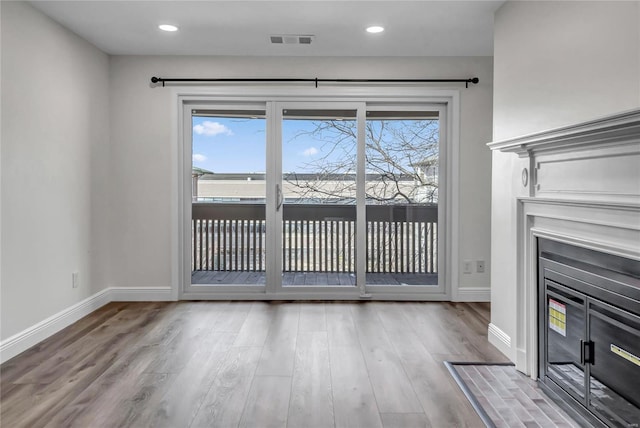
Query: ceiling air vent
x=291 y=39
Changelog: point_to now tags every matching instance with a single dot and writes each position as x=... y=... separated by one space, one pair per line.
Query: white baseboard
x=500 y=340
x=141 y=294
x=473 y=294
x=35 y=334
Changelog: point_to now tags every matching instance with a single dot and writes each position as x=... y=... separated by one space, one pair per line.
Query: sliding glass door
x=402 y=161
x=228 y=210
x=323 y=199
x=319 y=193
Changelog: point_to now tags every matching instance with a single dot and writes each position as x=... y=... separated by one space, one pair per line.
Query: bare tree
x=401 y=162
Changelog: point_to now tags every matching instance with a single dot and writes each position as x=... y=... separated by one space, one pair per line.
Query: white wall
x=86 y=159
x=555 y=63
x=55 y=135
x=142 y=143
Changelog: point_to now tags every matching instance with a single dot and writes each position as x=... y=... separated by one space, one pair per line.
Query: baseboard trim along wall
x=141 y=294
x=500 y=340
x=474 y=294
x=35 y=334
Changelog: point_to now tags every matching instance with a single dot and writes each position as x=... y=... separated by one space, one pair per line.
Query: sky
x=239 y=145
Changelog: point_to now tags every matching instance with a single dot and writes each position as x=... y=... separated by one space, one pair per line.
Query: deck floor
x=311 y=278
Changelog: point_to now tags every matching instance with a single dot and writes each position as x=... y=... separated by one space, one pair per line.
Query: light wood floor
x=228 y=364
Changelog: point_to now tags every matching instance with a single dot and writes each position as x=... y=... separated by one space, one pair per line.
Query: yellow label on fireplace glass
x=558 y=317
x=625 y=354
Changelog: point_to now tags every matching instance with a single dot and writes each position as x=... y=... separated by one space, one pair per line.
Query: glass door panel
x=565 y=320
x=319 y=149
x=228 y=226
x=402 y=177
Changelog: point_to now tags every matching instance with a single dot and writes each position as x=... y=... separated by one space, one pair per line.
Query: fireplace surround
x=580 y=187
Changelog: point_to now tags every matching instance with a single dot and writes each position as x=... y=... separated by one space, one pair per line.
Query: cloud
x=310 y=151
x=197 y=157
x=211 y=129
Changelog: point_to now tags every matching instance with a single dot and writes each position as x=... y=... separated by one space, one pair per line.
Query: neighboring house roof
x=199 y=171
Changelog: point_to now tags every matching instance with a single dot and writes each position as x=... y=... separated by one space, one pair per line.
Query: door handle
x=279 y=197
x=586 y=352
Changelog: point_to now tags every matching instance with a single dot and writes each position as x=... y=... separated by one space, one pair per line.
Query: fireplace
x=589 y=331
x=574 y=324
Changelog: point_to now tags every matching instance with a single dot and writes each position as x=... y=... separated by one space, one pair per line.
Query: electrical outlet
x=466 y=267
x=480 y=266
x=75 y=280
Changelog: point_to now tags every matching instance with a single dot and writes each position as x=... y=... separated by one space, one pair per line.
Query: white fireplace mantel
x=583 y=185
x=603 y=132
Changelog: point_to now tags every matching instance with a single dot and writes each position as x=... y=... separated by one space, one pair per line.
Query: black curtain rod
x=466 y=82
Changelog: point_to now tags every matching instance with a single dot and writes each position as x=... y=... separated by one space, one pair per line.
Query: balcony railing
x=315 y=238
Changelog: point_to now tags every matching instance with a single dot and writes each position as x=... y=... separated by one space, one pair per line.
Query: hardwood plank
x=84 y=374
x=354 y=403
x=147 y=393
x=340 y=327
x=197 y=323
x=168 y=326
x=95 y=401
x=393 y=390
x=232 y=316
x=474 y=327
x=17 y=401
x=226 y=398
x=256 y=325
x=267 y=402
x=312 y=317
x=278 y=353
x=391 y=315
x=430 y=322
x=182 y=399
x=405 y=420
x=65 y=359
x=311 y=392
x=35 y=356
x=442 y=401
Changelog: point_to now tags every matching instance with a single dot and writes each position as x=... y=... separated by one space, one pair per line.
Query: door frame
x=184 y=97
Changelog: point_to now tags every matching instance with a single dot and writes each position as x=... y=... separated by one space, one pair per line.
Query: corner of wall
x=501 y=340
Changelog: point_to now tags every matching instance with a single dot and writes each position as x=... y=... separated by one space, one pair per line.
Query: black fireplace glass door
x=565 y=318
x=614 y=381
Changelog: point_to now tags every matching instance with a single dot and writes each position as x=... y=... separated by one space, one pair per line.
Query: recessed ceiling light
x=167 y=27
x=375 y=29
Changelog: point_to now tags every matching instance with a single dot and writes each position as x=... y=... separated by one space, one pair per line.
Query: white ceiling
x=413 y=28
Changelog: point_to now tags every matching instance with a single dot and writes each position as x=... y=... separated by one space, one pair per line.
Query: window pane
x=319 y=186
x=402 y=175
x=228 y=210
